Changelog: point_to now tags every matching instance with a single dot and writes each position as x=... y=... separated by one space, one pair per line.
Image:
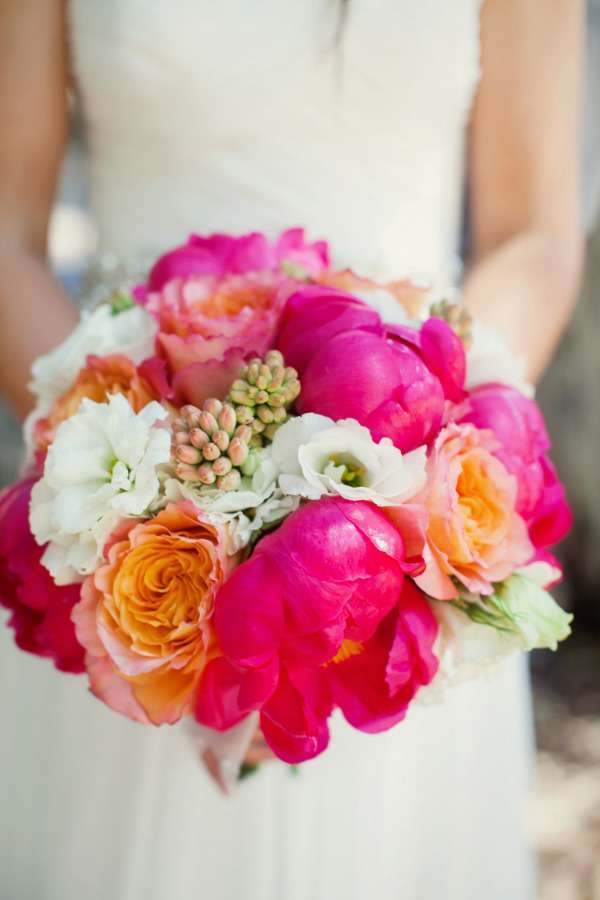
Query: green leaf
x=121 y=303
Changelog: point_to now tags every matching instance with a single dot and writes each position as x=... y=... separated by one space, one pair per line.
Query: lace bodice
x=234 y=116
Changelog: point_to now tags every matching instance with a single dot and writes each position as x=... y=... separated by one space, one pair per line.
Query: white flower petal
x=291 y=436
x=313 y=457
x=296 y=486
x=103 y=464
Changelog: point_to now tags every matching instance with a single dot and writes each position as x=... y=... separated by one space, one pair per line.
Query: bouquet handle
x=222 y=752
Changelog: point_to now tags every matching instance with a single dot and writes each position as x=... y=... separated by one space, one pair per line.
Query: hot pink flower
x=319 y=617
x=523 y=447
x=40 y=611
x=219 y=255
x=217 y=300
x=395 y=380
x=474 y=534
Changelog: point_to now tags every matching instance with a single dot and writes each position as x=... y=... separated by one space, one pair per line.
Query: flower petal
x=228 y=693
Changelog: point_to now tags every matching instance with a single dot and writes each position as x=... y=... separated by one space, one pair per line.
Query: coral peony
x=523 y=447
x=474 y=533
x=40 y=611
x=145 y=617
x=392 y=379
x=328 y=585
x=101 y=377
x=314 y=315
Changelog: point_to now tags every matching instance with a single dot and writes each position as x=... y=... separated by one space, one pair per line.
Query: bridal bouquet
x=260 y=487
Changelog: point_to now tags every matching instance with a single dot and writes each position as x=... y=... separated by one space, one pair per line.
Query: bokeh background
x=564 y=812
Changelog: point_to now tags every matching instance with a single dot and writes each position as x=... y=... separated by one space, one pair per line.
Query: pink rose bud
x=210 y=452
x=222 y=466
x=189 y=455
x=244 y=433
x=221 y=439
x=186 y=472
x=190 y=410
x=213 y=406
x=227 y=419
x=230 y=482
x=208 y=422
x=206 y=474
x=238 y=452
x=198 y=438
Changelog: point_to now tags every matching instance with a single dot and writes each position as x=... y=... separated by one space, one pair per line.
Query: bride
x=352 y=119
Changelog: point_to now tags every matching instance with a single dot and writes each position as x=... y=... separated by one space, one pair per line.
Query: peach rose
x=474 y=534
x=208 y=325
x=101 y=377
x=145 y=618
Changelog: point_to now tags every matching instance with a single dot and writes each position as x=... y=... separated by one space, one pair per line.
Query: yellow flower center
x=346 y=651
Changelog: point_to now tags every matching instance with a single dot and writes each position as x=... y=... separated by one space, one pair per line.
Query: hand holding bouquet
x=260 y=487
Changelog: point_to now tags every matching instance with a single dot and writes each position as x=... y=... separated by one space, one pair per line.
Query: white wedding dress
x=236 y=116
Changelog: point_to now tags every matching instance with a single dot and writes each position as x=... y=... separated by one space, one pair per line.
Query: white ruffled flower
x=99 y=332
x=490 y=359
x=243 y=529
x=102 y=465
x=316 y=456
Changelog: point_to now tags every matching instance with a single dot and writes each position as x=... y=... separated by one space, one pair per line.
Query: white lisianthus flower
x=99 y=332
x=317 y=456
x=477 y=633
x=466 y=650
x=102 y=465
x=489 y=360
x=531 y=613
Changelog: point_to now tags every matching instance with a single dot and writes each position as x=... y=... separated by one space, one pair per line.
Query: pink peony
x=217 y=300
x=474 y=534
x=40 y=611
x=320 y=616
x=219 y=255
x=394 y=380
x=523 y=447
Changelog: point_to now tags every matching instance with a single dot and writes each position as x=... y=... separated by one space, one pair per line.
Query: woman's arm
x=35 y=313
x=524 y=173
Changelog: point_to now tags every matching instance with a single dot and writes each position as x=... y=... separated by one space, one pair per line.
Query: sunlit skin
x=523 y=181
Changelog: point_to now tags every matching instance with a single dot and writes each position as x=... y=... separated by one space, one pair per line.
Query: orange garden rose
x=474 y=533
x=145 y=617
x=101 y=377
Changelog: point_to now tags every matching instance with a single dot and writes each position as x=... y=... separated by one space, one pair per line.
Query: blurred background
x=564 y=813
